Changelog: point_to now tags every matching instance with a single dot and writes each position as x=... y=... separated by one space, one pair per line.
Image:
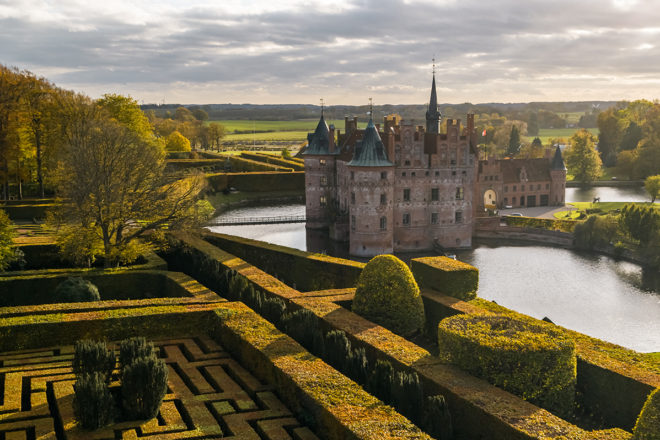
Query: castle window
x=458 y=217
x=406 y=195
x=403 y=174
x=437 y=173
x=324 y=180
x=506 y=188
x=513 y=200
x=453 y=173
x=426 y=174
x=434 y=218
x=407 y=162
x=435 y=194
x=514 y=188
x=464 y=173
x=496 y=177
x=522 y=187
x=383 y=199
x=323 y=201
x=547 y=186
x=352 y=198
x=383 y=223
x=406 y=219
x=538 y=186
x=412 y=174
x=352 y=175
x=383 y=175
x=506 y=201
x=352 y=223
x=322 y=162
x=459 y=193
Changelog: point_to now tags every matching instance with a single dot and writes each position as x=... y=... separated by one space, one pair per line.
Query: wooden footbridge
x=235 y=221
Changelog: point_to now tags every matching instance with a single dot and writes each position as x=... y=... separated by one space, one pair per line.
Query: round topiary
x=648 y=422
x=387 y=294
x=75 y=289
x=533 y=360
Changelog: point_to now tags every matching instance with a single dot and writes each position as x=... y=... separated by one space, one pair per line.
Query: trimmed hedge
x=648 y=423
x=27 y=211
x=446 y=275
x=242 y=164
x=541 y=223
x=304 y=271
x=387 y=294
x=269 y=158
x=258 y=181
x=534 y=361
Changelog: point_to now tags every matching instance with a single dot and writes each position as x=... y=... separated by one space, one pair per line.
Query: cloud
x=297 y=51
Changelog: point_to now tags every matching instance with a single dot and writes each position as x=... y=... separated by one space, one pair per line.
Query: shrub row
x=264 y=181
x=269 y=158
x=541 y=223
x=448 y=276
x=534 y=361
x=240 y=164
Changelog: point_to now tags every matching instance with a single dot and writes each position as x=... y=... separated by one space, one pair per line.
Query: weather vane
x=371 y=106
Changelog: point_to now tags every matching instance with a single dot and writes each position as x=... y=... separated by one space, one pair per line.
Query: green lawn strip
x=247 y=126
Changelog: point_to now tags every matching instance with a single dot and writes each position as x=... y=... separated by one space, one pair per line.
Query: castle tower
x=320 y=176
x=558 y=179
x=371 y=188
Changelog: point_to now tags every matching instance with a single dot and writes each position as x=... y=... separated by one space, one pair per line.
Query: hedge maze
x=210 y=395
x=252 y=355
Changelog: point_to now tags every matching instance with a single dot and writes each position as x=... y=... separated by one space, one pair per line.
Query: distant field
x=274 y=130
x=550 y=133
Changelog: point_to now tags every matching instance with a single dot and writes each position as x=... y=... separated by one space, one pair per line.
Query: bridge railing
x=259 y=220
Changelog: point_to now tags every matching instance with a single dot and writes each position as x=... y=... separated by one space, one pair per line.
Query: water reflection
x=612 y=300
x=607 y=194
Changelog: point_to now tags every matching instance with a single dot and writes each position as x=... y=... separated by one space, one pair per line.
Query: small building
x=522 y=182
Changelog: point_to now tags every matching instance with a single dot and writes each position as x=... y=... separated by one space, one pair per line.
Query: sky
x=344 y=51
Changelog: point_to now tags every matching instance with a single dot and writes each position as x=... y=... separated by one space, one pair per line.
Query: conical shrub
x=143 y=386
x=93 y=405
x=93 y=357
x=134 y=348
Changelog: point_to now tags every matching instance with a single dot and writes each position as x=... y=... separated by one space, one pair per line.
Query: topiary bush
x=437 y=420
x=143 y=386
x=135 y=348
x=75 y=289
x=408 y=395
x=533 y=360
x=337 y=349
x=93 y=405
x=387 y=294
x=380 y=381
x=93 y=357
x=648 y=422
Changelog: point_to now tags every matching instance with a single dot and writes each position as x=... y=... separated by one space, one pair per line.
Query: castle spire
x=432 y=114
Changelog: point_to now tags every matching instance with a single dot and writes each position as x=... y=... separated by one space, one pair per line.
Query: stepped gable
x=370 y=151
x=537 y=170
x=558 y=161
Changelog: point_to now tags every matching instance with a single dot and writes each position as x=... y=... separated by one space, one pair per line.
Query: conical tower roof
x=432 y=114
x=558 y=161
x=370 y=151
x=319 y=143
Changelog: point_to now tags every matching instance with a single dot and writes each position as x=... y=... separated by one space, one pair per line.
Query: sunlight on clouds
x=645 y=46
x=624 y=4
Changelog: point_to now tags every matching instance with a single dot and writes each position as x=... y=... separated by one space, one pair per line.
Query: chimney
x=331 y=139
x=470 y=124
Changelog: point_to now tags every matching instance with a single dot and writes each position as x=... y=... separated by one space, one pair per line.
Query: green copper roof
x=370 y=151
x=558 y=161
x=318 y=143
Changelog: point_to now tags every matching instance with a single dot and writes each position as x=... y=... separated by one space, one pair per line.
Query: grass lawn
x=219 y=198
x=545 y=134
x=242 y=130
x=604 y=206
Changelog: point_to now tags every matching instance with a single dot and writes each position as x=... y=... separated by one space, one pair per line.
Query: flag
x=484 y=133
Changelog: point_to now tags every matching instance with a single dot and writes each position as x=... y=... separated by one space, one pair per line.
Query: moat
x=612 y=300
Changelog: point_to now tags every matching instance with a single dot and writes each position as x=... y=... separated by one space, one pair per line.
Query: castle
x=400 y=187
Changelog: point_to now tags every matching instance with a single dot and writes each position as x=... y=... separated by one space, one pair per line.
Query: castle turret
x=371 y=177
x=558 y=178
x=320 y=176
x=432 y=114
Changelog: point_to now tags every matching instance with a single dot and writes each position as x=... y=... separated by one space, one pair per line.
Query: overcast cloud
x=296 y=51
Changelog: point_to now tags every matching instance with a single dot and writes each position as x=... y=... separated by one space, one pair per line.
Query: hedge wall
x=27 y=211
x=242 y=164
x=258 y=181
x=304 y=271
x=113 y=285
x=534 y=361
x=541 y=223
x=446 y=275
x=269 y=158
x=173 y=165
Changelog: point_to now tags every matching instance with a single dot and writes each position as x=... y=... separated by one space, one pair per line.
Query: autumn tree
x=11 y=89
x=514 y=142
x=648 y=150
x=177 y=142
x=582 y=159
x=610 y=134
x=626 y=161
x=652 y=186
x=110 y=179
x=216 y=134
x=533 y=125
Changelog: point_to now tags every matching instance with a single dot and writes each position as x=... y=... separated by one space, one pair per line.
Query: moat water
x=611 y=300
